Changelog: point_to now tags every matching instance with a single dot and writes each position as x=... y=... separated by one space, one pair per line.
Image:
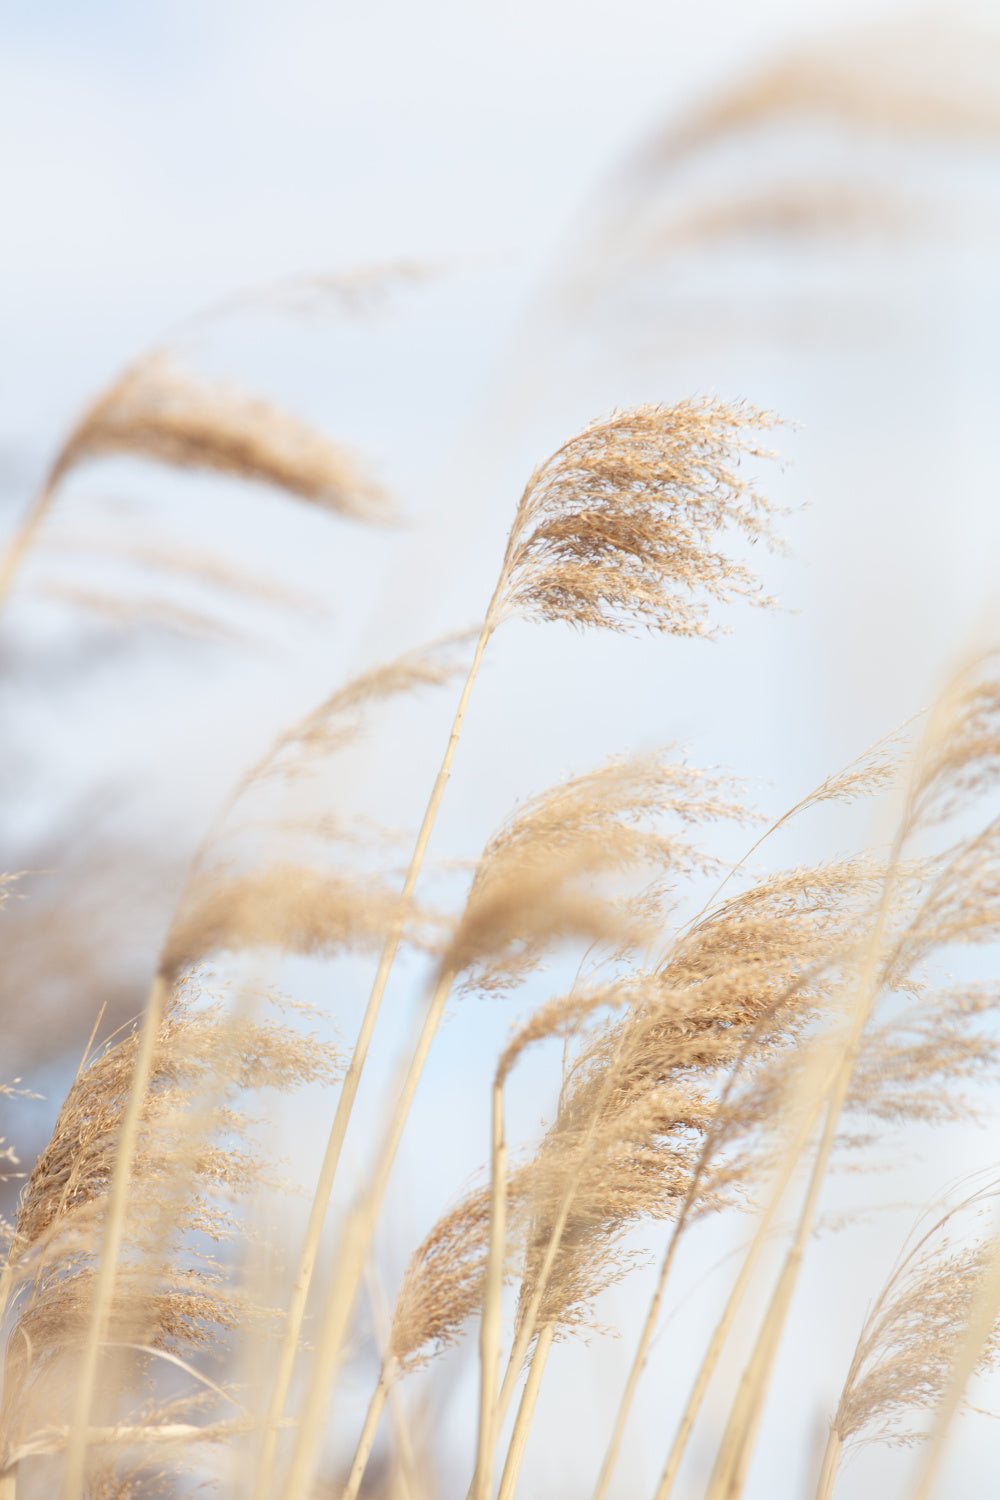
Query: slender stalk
x=525 y=1413
x=736 y=1448
x=376 y=1406
x=348 y=1092
x=111 y=1243
x=724 y=1326
x=25 y=534
x=51 y=1440
x=638 y=1365
x=528 y=1323
x=831 y=1462
x=350 y=1259
x=489 y=1333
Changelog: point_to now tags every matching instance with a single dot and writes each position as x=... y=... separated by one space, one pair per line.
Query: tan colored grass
x=621 y=527
x=886 y=76
x=902 y=1363
x=158 y=410
x=610 y=487
x=192 y=1164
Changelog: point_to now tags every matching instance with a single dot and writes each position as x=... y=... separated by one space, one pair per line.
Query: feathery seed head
x=158 y=410
x=619 y=528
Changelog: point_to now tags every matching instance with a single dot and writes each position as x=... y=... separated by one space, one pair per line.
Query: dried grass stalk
x=191 y=1158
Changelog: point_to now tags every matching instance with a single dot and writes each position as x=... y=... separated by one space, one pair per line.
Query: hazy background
x=519 y=217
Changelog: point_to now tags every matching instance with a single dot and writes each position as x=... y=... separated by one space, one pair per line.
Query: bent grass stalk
x=376 y=1406
x=735 y=1450
x=724 y=1326
x=982 y=1318
x=407 y=1476
x=25 y=535
x=525 y=1413
x=349 y=1089
x=834 y=786
x=529 y=1322
x=349 y=1264
x=489 y=1334
x=722 y=1329
x=512 y=560
x=111 y=1242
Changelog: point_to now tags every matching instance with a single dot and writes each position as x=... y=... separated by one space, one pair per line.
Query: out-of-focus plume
x=160 y=411
x=196 y=1159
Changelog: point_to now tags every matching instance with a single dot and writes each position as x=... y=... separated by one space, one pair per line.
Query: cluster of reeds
x=729 y=1035
x=713 y=1058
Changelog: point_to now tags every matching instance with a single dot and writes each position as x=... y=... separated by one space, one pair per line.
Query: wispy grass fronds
x=912 y=1066
x=886 y=77
x=745 y=984
x=195 y=1161
x=525 y=895
x=906 y=1351
x=443 y=1285
x=341 y=717
x=291 y=908
x=960 y=754
x=617 y=490
x=545 y=874
x=158 y=410
x=955 y=765
x=620 y=527
x=134 y=612
x=803 y=209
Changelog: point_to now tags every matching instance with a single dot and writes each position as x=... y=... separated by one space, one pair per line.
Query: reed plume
x=906 y=1350
x=616 y=530
x=159 y=411
x=195 y=1161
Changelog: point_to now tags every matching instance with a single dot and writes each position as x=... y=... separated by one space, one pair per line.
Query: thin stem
x=724 y=1326
x=51 y=1440
x=527 y=1323
x=349 y=1263
x=348 y=1093
x=376 y=1406
x=525 y=1413
x=831 y=1462
x=638 y=1365
x=25 y=534
x=111 y=1242
x=489 y=1333
x=736 y=1449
